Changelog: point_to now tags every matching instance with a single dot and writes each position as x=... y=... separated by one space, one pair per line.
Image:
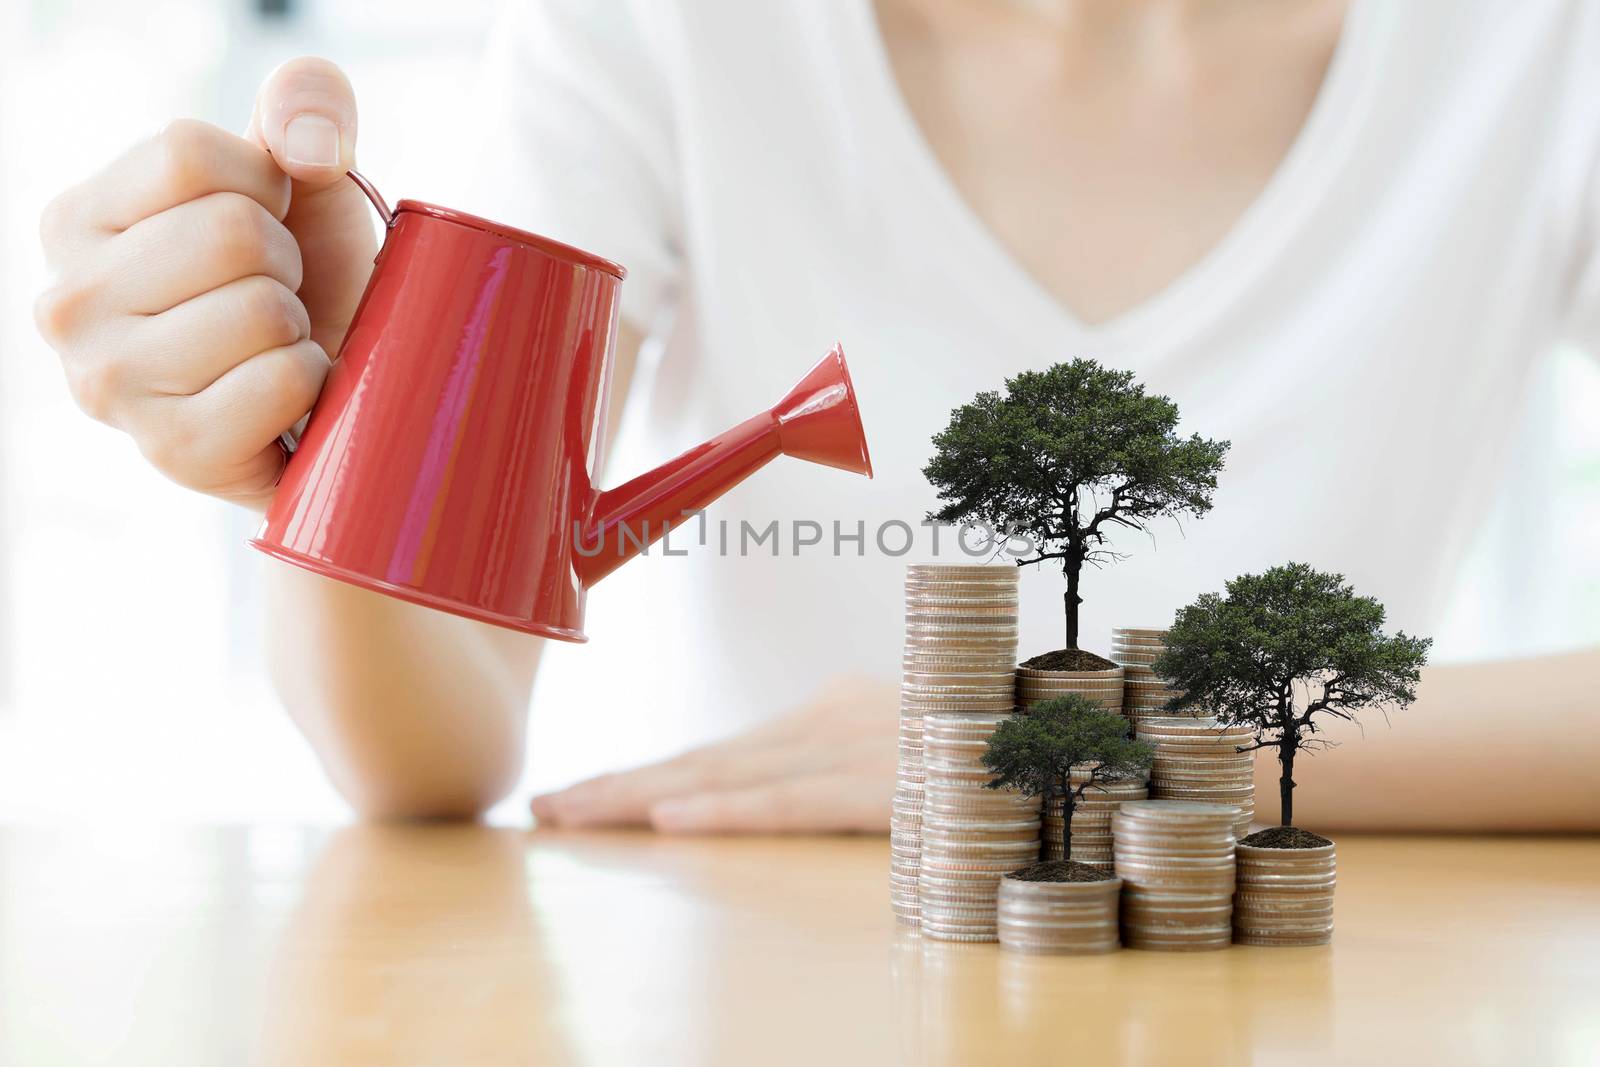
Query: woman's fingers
x=188 y=159
x=162 y=261
x=223 y=439
x=836 y=802
x=827 y=767
x=305 y=115
x=188 y=347
x=262 y=397
x=185 y=161
x=625 y=798
x=201 y=277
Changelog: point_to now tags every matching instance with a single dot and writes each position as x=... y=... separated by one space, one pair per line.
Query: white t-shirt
x=1362 y=335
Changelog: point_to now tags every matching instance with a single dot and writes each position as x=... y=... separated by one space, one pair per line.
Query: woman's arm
x=1509 y=745
x=203 y=279
x=414 y=713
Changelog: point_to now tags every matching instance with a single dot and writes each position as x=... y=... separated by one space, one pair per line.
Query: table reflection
x=959 y=1004
x=170 y=947
x=418 y=939
x=469 y=944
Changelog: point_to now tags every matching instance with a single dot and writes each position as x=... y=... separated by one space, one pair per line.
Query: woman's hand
x=826 y=767
x=203 y=280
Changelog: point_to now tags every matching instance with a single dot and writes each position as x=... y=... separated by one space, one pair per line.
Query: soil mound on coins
x=1061 y=871
x=1286 y=837
x=1068 y=659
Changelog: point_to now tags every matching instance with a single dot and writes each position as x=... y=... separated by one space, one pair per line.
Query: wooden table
x=465 y=945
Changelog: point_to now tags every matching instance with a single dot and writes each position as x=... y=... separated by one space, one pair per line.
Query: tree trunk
x=1286 y=749
x=1068 y=802
x=1072 y=600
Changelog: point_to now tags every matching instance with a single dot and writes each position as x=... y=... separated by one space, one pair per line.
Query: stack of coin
x=1091 y=818
x=1198 y=759
x=1176 y=862
x=1144 y=693
x=971 y=834
x=1103 y=687
x=960 y=655
x=1284 y=896
x=1058 y=918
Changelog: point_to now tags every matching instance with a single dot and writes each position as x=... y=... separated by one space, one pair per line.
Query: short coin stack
x=960 y=654
x=1284 y=896
x=1065 y=918
x=1176 y=862
x=1198 y=759
x=1102 y=687
x=971 y=834
x=1091 y=818
x=1144 y=693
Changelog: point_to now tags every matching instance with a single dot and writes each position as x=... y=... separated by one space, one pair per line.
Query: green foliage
x=1065 y=457
x=1035 y=753
x=1283 y=648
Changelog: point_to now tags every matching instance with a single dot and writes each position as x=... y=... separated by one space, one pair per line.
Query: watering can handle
x=372 y=194
x=289 y=439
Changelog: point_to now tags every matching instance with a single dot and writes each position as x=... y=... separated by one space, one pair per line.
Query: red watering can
x=450 y=460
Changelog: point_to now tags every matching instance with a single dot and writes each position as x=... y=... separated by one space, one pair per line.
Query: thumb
x=305 y=116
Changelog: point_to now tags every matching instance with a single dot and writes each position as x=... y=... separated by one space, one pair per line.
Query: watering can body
x=451 y=459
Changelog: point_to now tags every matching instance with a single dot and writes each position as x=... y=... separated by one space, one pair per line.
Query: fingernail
x=544 y=807
x=311 y=140
x=671 y=814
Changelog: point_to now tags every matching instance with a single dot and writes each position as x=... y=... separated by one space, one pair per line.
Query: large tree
x=1034 y=752
x=1283 y=650
x=1064 y=458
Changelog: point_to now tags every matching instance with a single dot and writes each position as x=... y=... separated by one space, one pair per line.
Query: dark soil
x=1068 y=659
x=1059 y=871
x=1286 y=837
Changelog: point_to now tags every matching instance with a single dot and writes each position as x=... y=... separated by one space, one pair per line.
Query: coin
x=957 y=685
x=1112 y=675
x=1067 y=918
x=1199 y=759
x=963 y=571
x=933 y=630
x=949 y=670
x=1176 y=860
x=1284 y=896
x=986 y=610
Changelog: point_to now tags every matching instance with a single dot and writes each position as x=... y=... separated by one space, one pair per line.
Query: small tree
x=1065 y=457
x=1035 y=753
x=1282 y=649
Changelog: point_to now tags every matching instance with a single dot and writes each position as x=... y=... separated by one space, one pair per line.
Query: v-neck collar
x=1205 y=288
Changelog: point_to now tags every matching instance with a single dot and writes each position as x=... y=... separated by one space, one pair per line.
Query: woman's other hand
x=828 y=767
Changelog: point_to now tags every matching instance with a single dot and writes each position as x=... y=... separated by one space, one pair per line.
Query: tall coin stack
x=1199 y=759
x=1091 y=817
x=1176 y=862
x=1144 y=693
x=971 y=835
x=960 y=655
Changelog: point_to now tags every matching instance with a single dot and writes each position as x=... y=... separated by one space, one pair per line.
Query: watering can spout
x=817 y=421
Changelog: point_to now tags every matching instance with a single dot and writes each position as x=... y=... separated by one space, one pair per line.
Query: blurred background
x=131 y=680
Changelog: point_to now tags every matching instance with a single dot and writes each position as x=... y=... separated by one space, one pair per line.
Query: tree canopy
x=1035 y=752
x=1064 y=458
x=1283 y=648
